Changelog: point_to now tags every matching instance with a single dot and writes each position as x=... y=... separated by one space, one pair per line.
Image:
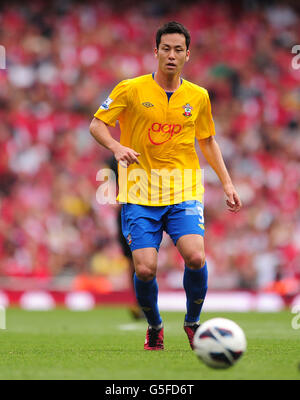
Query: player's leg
x=191 y=247
x=185 y=224
x=146 y=288
x=142 y=227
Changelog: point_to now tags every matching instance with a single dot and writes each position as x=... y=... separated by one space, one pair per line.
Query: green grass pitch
x=106 y=344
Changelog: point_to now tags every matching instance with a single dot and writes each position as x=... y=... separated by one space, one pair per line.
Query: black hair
x=173 y=27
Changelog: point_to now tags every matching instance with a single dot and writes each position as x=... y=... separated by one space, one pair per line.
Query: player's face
x=172 y=53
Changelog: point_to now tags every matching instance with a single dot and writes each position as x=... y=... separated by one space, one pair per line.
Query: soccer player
x=160 y=115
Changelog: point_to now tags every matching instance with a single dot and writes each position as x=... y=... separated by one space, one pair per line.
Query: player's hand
x=126 y=156
x=233 y=201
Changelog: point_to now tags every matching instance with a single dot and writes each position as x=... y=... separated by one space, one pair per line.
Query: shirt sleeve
x=205 y=126
x=114 y=105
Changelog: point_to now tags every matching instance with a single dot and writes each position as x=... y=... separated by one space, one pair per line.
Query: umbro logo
x=147 y=104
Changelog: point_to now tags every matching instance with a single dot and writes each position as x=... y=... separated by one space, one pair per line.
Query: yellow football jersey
x=163 y=132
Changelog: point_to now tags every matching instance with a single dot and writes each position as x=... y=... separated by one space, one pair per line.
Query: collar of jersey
x=162 y=90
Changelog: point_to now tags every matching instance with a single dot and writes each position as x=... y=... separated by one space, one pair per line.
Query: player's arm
x=213 y=155
x=100 y=132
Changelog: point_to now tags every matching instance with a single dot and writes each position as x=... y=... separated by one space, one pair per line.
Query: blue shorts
x=143 y=226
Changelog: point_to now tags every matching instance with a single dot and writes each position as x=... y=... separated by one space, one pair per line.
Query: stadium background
x=62 y=60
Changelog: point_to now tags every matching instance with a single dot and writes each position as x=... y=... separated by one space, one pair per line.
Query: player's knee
x=195 y=260
x=145 y=272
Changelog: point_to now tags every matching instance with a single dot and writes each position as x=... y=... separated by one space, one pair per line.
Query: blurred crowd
x=63 y=59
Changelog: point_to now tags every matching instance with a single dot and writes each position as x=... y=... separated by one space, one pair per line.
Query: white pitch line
x=131 y=327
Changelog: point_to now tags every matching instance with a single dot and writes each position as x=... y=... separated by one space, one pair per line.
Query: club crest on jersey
x=129 y=239
x=187 y=110
x=147 y=104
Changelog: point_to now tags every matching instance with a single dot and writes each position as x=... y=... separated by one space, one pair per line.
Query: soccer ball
x=219 y=342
